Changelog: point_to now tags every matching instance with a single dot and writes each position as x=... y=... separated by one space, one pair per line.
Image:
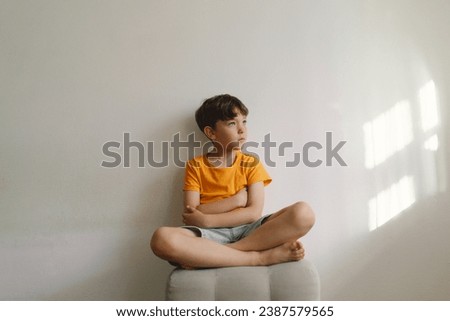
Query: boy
x=223 y=200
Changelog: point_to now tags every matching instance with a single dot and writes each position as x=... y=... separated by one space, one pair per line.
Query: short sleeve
x=257 y=173
x=191 y=177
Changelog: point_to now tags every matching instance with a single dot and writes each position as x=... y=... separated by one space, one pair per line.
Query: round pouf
x=292 y=281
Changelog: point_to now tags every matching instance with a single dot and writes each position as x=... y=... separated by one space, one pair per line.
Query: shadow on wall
x=402 y=260
x=405 y=255
x=132 y=271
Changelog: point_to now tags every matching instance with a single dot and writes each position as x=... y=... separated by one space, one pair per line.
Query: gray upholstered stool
x=293 y=281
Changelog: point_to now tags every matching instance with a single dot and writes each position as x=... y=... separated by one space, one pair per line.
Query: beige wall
x=77 y=74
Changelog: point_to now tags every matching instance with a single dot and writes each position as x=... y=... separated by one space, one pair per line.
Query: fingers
x=190 y=209
x=189 y=216
x=193 y=216
x=186 y=218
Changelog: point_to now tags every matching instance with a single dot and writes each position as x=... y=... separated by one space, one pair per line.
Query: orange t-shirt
x=216 y=183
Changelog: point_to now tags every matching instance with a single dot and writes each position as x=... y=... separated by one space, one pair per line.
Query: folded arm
x=225 y=205
x=225 y=213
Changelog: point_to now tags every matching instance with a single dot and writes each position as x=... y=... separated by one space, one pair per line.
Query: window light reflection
x=432 y=143
x=391 y=202
x=388 y=133
x=428 y=106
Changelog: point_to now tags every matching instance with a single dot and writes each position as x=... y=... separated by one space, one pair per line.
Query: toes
x=299 y=256
x=296 y=249
x=299 y=253
x=295 y=246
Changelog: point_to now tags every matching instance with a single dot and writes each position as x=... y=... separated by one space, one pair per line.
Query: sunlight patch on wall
x=391 y=202
x=390 y=133
x=428 y=106
x=432 y=143
x=387 y=134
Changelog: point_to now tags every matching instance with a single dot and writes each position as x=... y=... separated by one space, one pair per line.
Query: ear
x=209 y=132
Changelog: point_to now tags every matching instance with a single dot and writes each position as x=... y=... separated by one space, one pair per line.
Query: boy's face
x=229 y=134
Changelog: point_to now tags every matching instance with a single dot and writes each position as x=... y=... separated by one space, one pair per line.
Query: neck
x=222 y=158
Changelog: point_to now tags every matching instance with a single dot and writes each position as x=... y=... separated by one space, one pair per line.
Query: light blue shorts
x=225 y=235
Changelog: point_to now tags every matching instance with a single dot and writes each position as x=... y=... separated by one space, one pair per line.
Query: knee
x=161 y=241
x=302 y=215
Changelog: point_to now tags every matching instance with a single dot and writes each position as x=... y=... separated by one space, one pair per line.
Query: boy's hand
x=242 y=197
x=193 y=216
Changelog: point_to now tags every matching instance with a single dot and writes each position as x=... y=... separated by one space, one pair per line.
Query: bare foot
x=290 y=251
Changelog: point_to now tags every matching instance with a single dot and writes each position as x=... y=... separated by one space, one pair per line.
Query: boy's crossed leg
x=274 y=242
x=287 y=225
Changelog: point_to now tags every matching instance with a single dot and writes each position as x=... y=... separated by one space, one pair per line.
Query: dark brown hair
x=220 y=107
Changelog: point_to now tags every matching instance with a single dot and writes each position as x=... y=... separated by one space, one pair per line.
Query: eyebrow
x=235 y=119
x=237 y=115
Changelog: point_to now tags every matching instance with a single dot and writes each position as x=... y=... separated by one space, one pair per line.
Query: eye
x=244 y=121
x=231 y=123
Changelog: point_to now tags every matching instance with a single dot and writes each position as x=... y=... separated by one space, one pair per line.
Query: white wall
x=75 y=75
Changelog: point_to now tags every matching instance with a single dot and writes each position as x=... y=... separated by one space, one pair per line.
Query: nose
x=241 y=128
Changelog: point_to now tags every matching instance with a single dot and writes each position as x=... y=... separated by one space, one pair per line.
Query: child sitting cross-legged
x=224 y=199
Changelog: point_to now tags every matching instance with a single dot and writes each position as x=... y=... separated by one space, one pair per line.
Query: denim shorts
x=225 y=235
